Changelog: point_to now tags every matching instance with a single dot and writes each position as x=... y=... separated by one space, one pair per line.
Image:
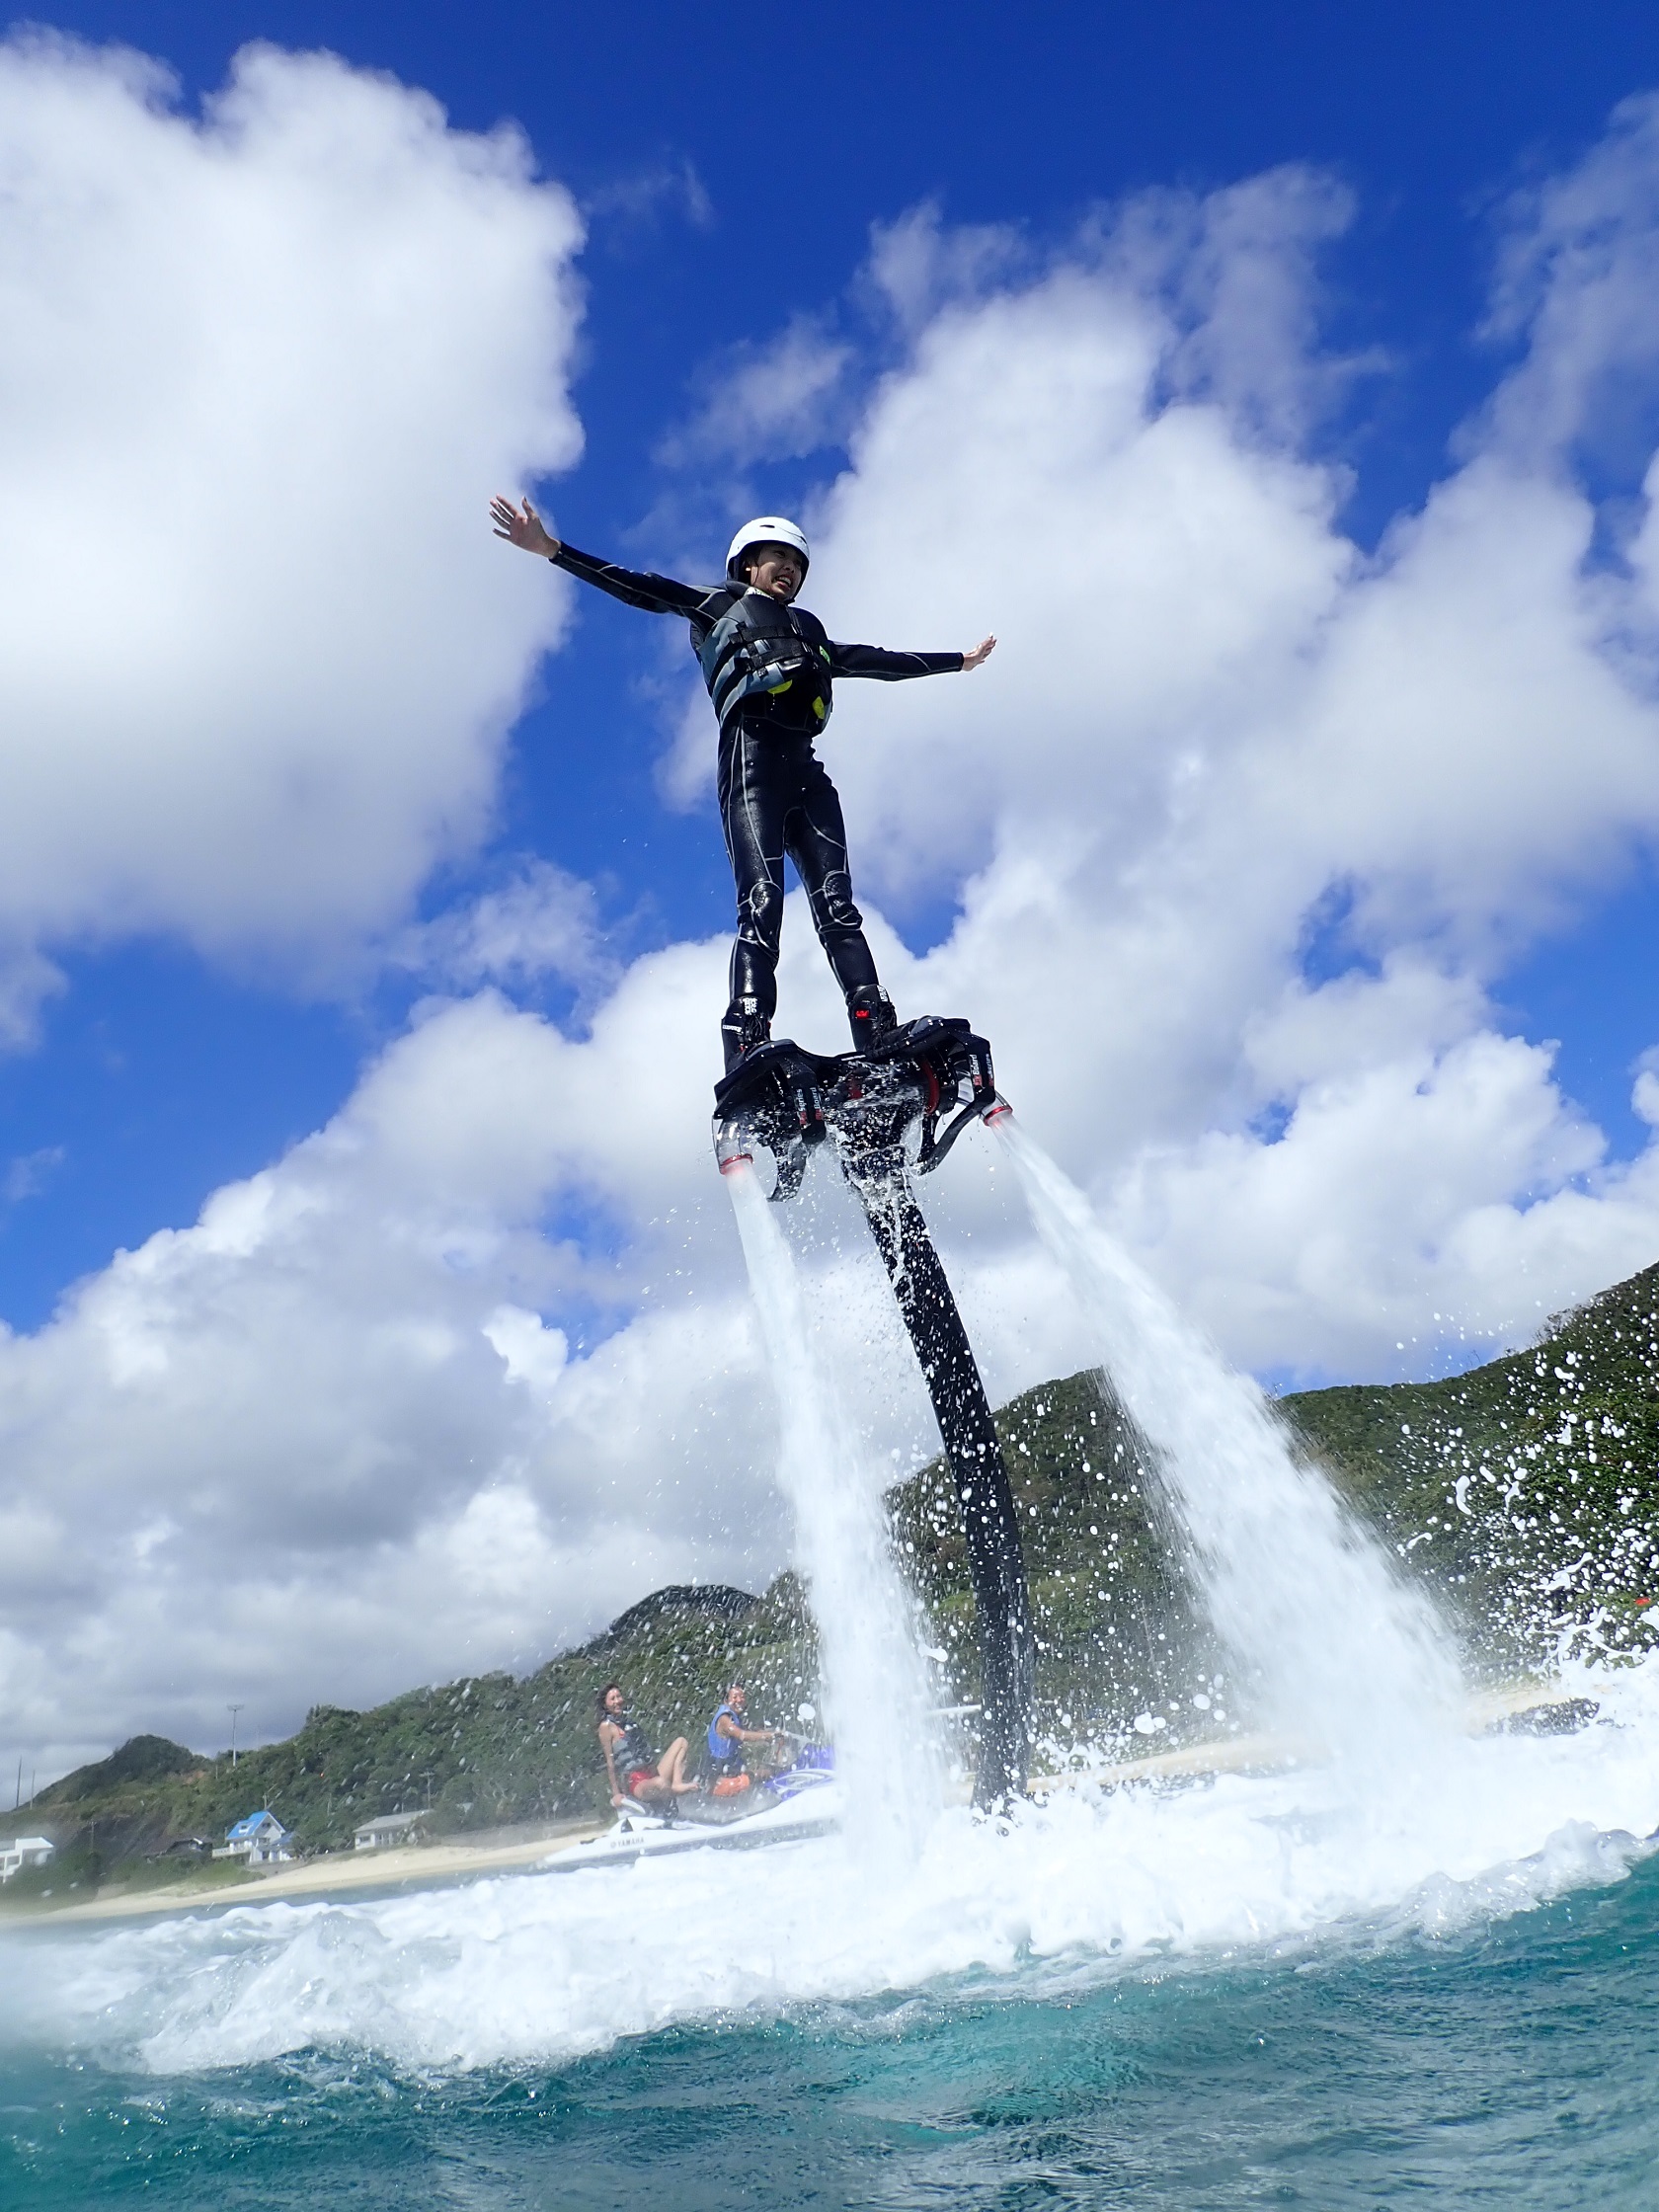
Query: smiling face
x=736 y=1698
x=614 y=1702
x=776 y=570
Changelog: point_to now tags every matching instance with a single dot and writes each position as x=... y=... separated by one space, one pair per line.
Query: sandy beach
x=335 y=1873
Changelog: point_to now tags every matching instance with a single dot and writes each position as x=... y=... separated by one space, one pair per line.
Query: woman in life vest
x=634 y=1769
x=769 y=667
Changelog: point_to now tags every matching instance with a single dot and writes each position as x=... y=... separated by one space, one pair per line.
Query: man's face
x=737 y=1700
x=777 y=570
x=613 y=1701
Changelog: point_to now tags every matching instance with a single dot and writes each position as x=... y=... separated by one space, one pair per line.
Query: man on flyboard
x=769 y=668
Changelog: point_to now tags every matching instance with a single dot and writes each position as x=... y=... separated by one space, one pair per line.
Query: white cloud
x=541 y=921
x=327 y=1439
x=1211 y=726
x=260 y=373
x=769 y=401
x=1242 y=828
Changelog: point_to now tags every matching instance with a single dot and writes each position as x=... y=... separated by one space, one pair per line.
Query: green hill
x=1526 y=1492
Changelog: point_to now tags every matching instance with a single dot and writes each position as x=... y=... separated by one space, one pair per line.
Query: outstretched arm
x=895 y=667
x=525 y=530
x=656 y=595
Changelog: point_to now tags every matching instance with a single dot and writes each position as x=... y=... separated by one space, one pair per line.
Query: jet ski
x=801 y=1801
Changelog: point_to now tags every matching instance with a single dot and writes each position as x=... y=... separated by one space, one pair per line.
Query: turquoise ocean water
x=1257 y=1993
x=1517 y=2064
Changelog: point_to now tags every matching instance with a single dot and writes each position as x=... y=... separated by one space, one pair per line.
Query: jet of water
x=874 y=1680
x=1339 y=1652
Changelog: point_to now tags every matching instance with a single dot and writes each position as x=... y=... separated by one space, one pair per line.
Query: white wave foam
x=1330 y=1640
x=875 y=1686
x=545 y=1967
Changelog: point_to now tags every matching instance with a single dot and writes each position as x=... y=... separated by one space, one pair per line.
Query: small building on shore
x=261 y=1840
x=391 y=1830
x=24 y=1851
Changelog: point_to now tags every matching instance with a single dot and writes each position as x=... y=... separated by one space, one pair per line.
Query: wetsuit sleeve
x=890 y=668
x=656 y=595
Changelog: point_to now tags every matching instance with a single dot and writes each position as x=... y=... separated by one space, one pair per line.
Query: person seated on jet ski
x=634 y=1769
x=769 y=667
x=727 y=1739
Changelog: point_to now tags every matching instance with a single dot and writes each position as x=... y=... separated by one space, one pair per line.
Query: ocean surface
x=1330 y=1987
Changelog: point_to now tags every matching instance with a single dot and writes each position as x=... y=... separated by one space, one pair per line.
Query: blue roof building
x=260 y=1839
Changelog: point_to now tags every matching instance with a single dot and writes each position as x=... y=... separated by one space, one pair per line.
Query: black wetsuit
x=769 y=668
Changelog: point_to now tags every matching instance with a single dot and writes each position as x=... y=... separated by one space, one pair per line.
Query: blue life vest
x=727 y=1755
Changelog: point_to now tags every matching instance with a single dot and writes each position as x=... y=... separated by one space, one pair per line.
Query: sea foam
x=546 y=1966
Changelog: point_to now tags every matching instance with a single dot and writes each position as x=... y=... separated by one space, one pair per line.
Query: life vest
x=726 y=1754
x=754 y=653
x=631 y=1753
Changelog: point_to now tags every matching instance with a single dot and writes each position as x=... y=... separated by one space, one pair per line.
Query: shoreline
x=403 y=1866
x=1235 y=1755
x=418 y=1866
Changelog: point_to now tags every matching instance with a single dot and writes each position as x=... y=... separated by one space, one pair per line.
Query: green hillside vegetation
x=1526 y=1492
x=1117 y=1630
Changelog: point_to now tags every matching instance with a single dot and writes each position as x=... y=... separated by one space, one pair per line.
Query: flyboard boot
x=870 y=1012
x=933 y=1075
x=742 y=1027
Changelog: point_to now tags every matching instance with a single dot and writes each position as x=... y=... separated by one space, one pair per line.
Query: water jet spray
x=932 y=1077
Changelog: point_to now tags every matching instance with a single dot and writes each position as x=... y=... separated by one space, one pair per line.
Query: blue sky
x=731 y=177
x=1281 y=384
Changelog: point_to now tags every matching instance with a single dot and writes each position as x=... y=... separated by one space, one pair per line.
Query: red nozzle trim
x=736 y=1159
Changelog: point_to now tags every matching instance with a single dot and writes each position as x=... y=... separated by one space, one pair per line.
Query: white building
x=27 y=1850
x=261 y=1840
x=389 y=1830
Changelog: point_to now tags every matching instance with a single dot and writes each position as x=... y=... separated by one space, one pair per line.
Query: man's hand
x=523 y=530
x=981 y=651
x=617 y=1800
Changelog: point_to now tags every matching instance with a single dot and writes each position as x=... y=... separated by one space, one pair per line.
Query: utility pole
x=233 y=1711
x=18 y=1799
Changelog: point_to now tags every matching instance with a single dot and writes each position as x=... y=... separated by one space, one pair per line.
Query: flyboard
x=931 y=1076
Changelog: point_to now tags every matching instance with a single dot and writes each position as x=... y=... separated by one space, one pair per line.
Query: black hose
x=996 y=1560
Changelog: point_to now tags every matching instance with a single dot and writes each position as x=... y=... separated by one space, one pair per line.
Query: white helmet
x=766 y=529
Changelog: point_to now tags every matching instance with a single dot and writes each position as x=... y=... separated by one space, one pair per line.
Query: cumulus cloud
x=1240 y=831
x=324 y=1435
x=260 y=369
x=542 y=921
x=1220 y=754
x=449 y=1384
x=769 y=401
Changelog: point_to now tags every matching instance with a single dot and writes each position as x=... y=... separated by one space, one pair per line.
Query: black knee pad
x=837 y=915
x=761 y=914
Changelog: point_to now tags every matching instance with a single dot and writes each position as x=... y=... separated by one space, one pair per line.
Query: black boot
x=870 y=1012
x=740 y=1032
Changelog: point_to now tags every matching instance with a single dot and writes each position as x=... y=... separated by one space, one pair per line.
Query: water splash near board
x=874 y=1678
x=1339 y=1652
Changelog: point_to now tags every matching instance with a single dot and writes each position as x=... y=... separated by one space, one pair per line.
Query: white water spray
x=1338 y=1651
x=874 y=1688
